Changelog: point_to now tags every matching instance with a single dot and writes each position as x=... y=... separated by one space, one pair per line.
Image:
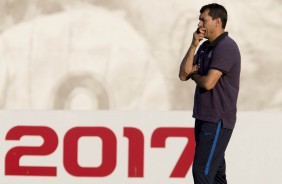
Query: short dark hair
x=216 y=11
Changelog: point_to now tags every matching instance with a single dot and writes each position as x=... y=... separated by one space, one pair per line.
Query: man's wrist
x=193 y=45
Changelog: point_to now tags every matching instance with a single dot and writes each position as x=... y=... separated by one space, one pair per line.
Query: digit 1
x=135 y=152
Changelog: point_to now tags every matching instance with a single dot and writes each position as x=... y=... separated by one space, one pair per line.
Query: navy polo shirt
x=220 y=102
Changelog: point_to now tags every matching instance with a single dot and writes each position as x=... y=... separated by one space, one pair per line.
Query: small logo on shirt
x=210 y=54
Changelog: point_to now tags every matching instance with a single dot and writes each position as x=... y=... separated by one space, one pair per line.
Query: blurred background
x=125 y=55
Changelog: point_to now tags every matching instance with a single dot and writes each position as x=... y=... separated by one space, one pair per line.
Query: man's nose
x=200 y=24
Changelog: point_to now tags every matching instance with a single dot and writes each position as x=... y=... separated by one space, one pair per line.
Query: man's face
x=207 y=25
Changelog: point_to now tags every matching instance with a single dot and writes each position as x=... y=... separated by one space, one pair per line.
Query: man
x=215 y=69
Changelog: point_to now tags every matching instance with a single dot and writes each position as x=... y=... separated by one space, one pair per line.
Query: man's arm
x=187 y=67
x=207 y=81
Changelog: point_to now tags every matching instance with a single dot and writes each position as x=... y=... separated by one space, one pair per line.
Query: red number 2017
x=109 y=150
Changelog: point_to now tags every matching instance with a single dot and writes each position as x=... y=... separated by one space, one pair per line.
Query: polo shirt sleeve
x=223 y=57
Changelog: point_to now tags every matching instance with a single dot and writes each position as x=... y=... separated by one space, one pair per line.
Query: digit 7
x=185 y=161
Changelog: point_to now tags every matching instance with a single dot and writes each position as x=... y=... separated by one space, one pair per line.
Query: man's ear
x=218 y=22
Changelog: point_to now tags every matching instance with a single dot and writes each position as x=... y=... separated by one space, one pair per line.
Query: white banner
x=125 y=147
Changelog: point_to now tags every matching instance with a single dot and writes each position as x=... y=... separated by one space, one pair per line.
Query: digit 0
x=109 y=151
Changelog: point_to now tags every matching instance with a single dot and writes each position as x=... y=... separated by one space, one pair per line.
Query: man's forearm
x=186 y=66
x=208 y=81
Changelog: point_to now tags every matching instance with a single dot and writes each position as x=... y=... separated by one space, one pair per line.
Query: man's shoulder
x=228 y=41
x=227 y=45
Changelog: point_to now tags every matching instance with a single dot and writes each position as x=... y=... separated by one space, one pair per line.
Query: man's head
x=216 y=11
x=213 y=20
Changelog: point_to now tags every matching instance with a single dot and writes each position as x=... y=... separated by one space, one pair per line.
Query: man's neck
x=217 y=34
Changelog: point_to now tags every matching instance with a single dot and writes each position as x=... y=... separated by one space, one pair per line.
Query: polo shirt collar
x=220 y=37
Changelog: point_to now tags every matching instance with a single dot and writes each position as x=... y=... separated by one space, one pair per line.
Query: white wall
x=125 y=55
x=253 y=155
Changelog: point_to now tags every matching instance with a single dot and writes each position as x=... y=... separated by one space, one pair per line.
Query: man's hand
x=195 y=69
x=198 y=37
